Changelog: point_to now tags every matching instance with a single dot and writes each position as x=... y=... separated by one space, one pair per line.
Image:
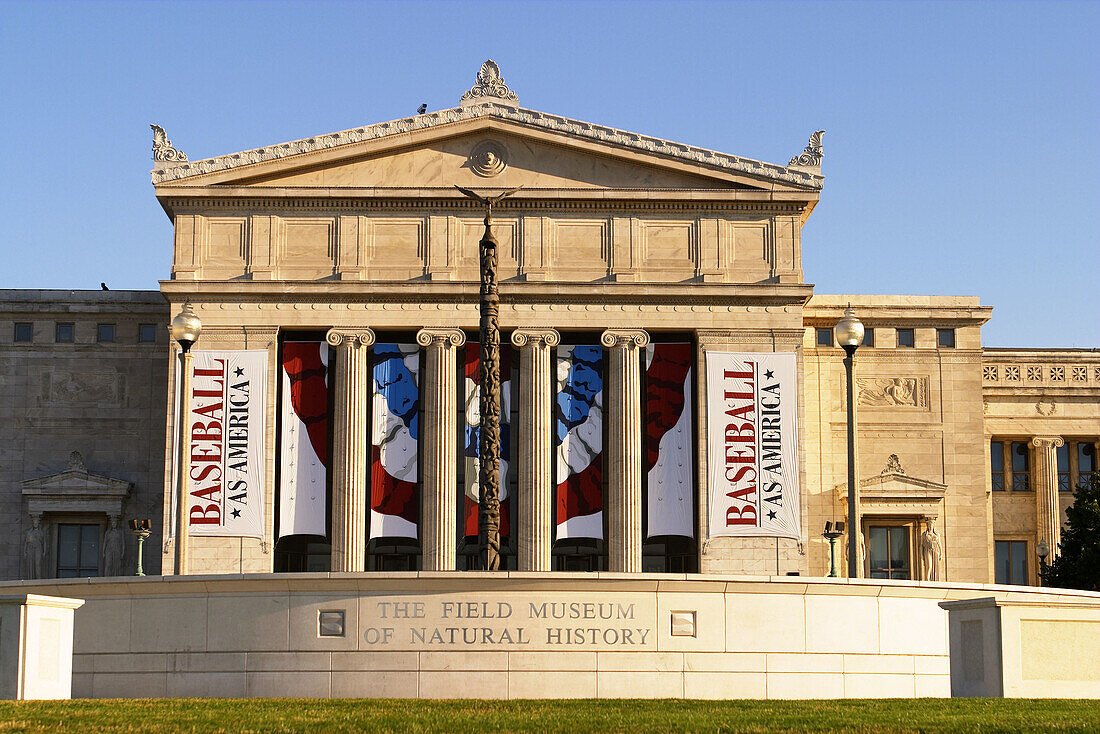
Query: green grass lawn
x=634 y=717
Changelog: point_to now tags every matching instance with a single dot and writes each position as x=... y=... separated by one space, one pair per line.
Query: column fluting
x=535 y=490
x=624 y=524
x=1048 y=518
x=350 y=450
x=439 y=460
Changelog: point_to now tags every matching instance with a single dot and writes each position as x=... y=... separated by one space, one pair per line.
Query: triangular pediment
x=440 y=149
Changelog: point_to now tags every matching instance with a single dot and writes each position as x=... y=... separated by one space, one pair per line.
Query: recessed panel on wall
x=668 y=248
x=580 y=249
x=226 y=248
x=750 y=253
x=506 y=233
x=397 y=246
x=309 y=248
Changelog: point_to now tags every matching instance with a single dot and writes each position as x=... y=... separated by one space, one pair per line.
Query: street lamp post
x=140 y=530
x=1042 y=550
x=832 y=532
x=849 y=335
x=185 y=329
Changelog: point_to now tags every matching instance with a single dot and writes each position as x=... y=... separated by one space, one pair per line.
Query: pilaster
x=349 y=449
x=535 y=469
x=624 y=449
x=440 y=449
x=1048 y=519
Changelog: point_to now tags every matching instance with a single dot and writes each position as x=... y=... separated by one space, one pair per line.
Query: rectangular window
x=1021 y=467
x=824 y=337
x=945 y=338
x=905 y=338
x=868 y=337
x=24 y=332
x=64 y=333
x=1010 y=562
x=1086 y=460
x=147 y=333
x=997 y=465
x=1061 y=455
x=77 y=551
x=888 y=552
x=105 y=333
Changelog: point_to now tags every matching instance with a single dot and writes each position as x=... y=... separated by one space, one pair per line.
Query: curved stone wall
x=514 y=635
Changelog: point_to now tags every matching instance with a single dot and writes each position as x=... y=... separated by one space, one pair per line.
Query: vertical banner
x=395 y=405
x=303 y=454
x=225 y=416
x=578 y=424
x=752 y=444
x=472 y=437
x=669 y=459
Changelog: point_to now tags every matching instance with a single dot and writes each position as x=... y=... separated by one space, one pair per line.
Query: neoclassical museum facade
x=646 y=288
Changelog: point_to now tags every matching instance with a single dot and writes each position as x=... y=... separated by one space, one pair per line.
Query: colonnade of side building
x=439 y=388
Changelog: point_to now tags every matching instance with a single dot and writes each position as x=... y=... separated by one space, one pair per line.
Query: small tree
x=1078 y=563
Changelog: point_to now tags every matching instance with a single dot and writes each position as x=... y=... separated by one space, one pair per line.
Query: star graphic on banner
x=239 y=372
x=769 y=374
x=771 y=514
x=236 y=512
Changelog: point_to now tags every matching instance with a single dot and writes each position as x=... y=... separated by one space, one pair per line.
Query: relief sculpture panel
x=892 y=392
x=66 y=388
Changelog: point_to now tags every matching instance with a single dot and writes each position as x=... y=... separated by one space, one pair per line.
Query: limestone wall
x=512 y=635
x=105 y=400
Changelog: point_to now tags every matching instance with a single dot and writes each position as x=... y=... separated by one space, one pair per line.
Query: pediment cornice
x=179 y=171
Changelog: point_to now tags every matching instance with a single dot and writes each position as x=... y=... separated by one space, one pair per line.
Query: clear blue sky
x=961 y=140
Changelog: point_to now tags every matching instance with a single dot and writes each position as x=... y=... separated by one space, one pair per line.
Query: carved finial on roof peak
x=76 y=462
x=893 y=465
x=812 y=155
x=162 y=147
x=489 y=87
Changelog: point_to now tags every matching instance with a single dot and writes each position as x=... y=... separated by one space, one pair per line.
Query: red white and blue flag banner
x=395 y=404
x=225 y=423
x=668 y=457
x=752 y=444
x=303 y=458
x=578 y=425
x=472 y=437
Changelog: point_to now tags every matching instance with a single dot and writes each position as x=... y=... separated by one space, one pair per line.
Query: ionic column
x=439 y=460
x=624 y=501
x=536 y=531
x=1048 y=519
x=350 y=438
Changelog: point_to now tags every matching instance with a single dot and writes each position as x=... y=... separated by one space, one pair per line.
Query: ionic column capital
x=535 y=338
x=440 y=338
x=349 y=337
x=624 y=339
x=1047 y=443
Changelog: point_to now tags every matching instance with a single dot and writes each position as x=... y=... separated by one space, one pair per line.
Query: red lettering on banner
x=740 y=519
x=740 y=444
x=207 y=436
x=212 y=515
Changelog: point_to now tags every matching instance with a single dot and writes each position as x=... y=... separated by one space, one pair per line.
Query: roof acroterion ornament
x=812 y=155
x=162 y=147
x=489 y=87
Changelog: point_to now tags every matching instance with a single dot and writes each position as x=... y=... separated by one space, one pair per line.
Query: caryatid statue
x=489 y=369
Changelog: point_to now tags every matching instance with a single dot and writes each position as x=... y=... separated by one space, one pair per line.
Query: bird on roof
x=103 y=286
x=422 y=109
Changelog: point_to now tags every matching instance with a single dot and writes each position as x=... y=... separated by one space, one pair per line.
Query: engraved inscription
x=465 y=621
